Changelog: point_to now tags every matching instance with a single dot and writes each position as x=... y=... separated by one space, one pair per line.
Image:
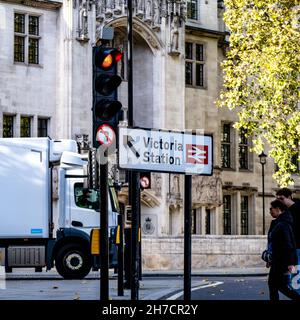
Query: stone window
x=25 y=127
x=243 y=151
x=43 y=127
x=226 y=146
x=227 y=214
x=194 y=221
x=192 y=9
x=244 y=215
x=26 y=38
x=207 y=221
x=8 y=126
x=194 y=64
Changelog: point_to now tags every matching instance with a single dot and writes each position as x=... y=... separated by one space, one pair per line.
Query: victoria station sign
x=165 y=151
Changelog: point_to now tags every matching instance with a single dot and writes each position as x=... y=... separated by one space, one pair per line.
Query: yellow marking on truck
x=95 y=241
x=118 y=235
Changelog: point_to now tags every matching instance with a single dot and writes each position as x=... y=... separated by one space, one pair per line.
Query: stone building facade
x=46 y=89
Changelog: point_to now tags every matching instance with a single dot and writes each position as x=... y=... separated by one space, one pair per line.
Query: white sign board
x=165 y=151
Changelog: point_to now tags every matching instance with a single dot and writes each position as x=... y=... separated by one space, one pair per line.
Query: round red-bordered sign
x=144 y=181
x=105 y=135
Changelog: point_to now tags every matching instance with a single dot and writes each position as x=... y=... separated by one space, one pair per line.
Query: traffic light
x=145 y=180
x=106 y=107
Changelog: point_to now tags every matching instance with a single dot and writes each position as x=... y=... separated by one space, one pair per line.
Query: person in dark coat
x=283 y=251
x=285 y=196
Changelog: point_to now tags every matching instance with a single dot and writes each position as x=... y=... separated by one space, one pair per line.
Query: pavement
x=155 y=284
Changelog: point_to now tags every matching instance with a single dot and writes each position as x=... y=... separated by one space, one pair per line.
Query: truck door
x=84 y=204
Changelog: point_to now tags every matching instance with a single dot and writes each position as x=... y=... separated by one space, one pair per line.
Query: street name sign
x=165 y=151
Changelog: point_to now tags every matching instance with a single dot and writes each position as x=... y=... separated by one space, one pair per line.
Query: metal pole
x=121 y=256
x=104 y=250
x=130 y=62
x=134 y=181
x=127 y=256
x=134 y=283
x=263 y=195
x=187 y=236
x=140 y=270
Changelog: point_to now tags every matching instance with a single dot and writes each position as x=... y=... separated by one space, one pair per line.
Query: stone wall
x=210 y=251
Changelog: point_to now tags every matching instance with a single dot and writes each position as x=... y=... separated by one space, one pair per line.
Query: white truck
x=44 y=220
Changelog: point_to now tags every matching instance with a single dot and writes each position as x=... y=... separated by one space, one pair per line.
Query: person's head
x=86 y=192
x=276 y=208
x=285 y=196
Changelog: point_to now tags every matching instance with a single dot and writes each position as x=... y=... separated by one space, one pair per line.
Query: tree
x=262 y=77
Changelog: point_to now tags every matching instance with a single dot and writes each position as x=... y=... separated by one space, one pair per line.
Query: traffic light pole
x=106 y=109
x=187 y=236
x=121 y=256
x=130 y=62
x=134 y=194
x=104 y=264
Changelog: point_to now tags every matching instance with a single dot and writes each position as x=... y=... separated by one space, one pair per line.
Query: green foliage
x=262 y=76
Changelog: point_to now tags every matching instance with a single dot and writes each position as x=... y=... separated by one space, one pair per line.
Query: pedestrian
x=285 y=196
x=282 y=251
x=84 y=200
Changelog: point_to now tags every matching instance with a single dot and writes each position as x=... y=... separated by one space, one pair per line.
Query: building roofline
x=46 y=4
x=205 y=31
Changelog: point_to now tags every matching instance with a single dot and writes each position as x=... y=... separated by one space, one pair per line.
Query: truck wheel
x=72 y=262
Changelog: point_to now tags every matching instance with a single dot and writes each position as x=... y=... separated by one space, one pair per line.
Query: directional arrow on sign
x=127 y=141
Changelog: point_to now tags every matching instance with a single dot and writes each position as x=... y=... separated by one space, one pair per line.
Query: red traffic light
x=118 y=56
x=106 y=58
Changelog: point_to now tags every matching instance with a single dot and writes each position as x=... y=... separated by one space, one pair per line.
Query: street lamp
x=263 y=161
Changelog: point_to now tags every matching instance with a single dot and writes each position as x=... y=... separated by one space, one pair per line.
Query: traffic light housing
x=145 y=180
x=106 y=108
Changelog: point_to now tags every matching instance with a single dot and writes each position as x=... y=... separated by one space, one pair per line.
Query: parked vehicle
x=44 y=218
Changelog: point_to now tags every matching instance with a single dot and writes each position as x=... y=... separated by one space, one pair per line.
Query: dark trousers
x=278 y=282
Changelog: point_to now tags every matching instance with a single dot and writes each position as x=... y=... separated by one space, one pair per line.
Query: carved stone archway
x=149 y=36
x=147 y=198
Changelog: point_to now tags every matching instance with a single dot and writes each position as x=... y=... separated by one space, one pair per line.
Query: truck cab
x=49 y=219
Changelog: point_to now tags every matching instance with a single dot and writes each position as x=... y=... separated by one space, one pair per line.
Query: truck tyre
x=72 y=262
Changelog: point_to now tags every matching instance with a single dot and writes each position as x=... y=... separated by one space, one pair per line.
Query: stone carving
x=139 y=8
x=109 y=4
x=208 y=190
x=146 y=35
x=109 y=9
x=157 y=183
x=174 y=35
x=175 y=199
x=148 y=226
x=153 y=9
x=175 y=185
x=118 y=7
x=148 y=10
x=83 y=20
x=156 y=12
x=83 y=141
